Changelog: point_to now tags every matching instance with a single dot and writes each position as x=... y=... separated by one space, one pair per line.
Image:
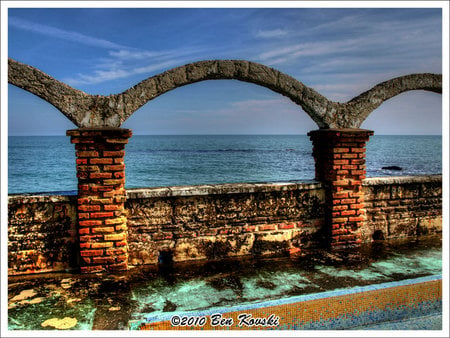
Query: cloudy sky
x=337 y=51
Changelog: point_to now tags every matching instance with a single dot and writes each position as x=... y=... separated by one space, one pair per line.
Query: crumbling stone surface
x=111 y=111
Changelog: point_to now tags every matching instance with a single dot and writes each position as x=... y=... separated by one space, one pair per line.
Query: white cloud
x=274 y=33
x=62 y=34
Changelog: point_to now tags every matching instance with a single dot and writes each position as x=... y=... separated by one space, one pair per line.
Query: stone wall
x=212 y=222
x=216 y=221
x=402 y=206
x=42 y=234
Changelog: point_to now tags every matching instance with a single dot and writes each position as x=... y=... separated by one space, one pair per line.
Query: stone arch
x=111 y=111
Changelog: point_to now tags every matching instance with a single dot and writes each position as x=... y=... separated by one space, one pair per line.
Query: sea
x=46 y=164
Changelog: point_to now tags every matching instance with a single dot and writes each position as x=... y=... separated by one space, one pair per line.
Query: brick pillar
x=102 y=223
x=339 y=156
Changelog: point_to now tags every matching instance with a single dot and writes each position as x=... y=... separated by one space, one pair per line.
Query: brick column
x=102 y=223
x=340 y=163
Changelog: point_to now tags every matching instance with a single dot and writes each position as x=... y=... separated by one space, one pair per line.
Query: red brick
x=266 y=227
x=102 y=230
x=119 y=174
x=248 y=228
x=118 y=267
x=85 y=245
x=117 y=167
x=116 y=237
x=340 y=220
x=82 y=175
x=339 y=207
x=100 y=175
x=348 y=201
x=82 y=161
x=89 y=207
x=82 y=215
x=90 y=223
x=121 y=227
x=87 y=168
x=340 y=162
x=99 y=245
x=112 y=207
x=102 y=188
x=83 y=231
x=340 y=183
x=341 y=150
x=348 y=212
x=83 y=187
x=283 y=226
x=348 y=156
x=105 y=201
x=118 y=220
x=340 y=195
x=87 y=153
x=356 y=219
x=121 y=243
x=101 y=160
x=90 y=253
x=120 y=153
x=101 y=214
x=114 y=181
x=118 y=160
x=350 y=166
x=117 y=251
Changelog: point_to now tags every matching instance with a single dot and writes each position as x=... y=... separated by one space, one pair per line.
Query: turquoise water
x=47 y=163
x=151 y=292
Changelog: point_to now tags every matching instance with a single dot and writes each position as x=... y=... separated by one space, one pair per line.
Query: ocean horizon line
x=139 y=134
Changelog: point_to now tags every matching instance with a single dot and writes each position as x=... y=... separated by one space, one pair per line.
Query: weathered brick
x=340 y=195
x=90 y=223
x=87 y=168
x=101 y=214
x=102 y=230
x=101 y=245
x=100 y=175
x=90 y=153
x=89 y=207
x=349 y=156
x=356 y=219
x=107 y=153
x=91 y=253
x=116 y=251
x=116 y=237
x=265 y=227
x=101 y=160
x=118 y=220
x=83 y=231
x=117 y=167
x=112 y=207
x=114 y=181
x=340 y=162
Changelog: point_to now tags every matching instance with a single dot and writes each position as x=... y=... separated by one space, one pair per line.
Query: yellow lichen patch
x=60 y=324
x=36 y=300
x=24 y=295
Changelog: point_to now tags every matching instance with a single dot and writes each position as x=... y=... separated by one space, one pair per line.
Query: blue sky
x=339 y=52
